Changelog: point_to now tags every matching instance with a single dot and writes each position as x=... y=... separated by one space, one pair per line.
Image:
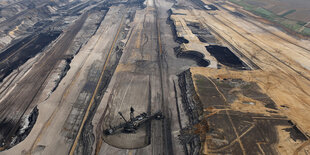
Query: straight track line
x=274 y=34
x=268 y=53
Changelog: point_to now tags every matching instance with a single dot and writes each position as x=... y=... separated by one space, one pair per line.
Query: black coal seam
x=193 y=109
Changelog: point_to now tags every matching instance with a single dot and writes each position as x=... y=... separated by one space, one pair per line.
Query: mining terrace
x=226 y=81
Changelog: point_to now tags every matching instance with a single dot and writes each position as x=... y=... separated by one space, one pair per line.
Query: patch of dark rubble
x=23 y=130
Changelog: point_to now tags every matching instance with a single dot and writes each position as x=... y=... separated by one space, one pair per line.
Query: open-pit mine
x=160 y=77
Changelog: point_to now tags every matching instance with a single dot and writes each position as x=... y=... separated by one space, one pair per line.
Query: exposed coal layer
x=194 y=55
x=25 y=49
x=226 y=57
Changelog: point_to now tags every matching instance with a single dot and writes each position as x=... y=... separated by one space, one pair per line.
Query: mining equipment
x=134 y=123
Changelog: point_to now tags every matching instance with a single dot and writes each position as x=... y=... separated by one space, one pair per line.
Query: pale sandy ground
x=284 y=61
x=285 y=66
x=284 y=85
x=45 y=137
x=275 y=85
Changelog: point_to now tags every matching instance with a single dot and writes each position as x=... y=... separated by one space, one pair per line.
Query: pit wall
x=193 y=108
